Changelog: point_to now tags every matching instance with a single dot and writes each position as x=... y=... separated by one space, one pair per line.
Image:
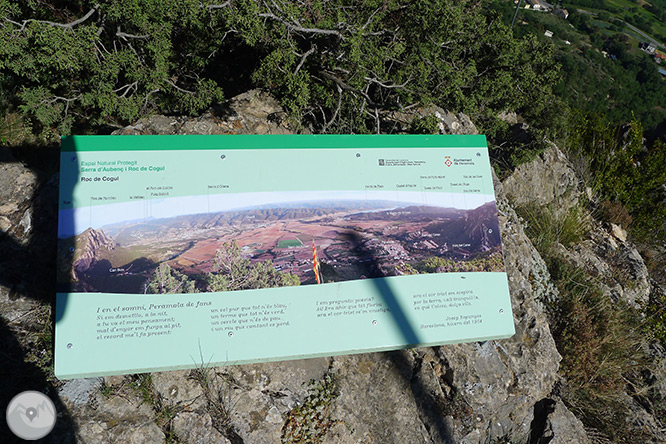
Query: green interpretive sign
x=179 y=252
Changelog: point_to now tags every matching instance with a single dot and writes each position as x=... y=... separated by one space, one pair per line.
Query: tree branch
x=145 y=102
x=64 y=99
x=298 y=28
x=346 y=87
x=127 y=89
x=305 y=56
x=69 y=25
x=370 y=18
x=125 y=36
x=337 y=109
x=179 y=88
x=386 y=85
x=223 y=5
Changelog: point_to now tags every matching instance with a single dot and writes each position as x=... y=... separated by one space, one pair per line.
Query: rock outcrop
x=464 y=393
x=545 y=180
x=253 y=112
x=490 y=392
x=609 y=259
x=90 y=243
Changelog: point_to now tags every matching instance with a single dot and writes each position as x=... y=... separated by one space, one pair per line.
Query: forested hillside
x=336 y=65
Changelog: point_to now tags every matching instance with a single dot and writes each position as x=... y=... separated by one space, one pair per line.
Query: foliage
x=616 y=213
x=310 y=421
x=166 y=280
x=624 y=82
x=656 y=316
x=350 y=64
x=217 y=390
x=547 y=227
x=102 y=62
x=424 y=125
x=624 y=171
x=601 y=343
x=142 y=384
x=232 y=272
x=436 y=264
x=14 y=130
x=334 y=65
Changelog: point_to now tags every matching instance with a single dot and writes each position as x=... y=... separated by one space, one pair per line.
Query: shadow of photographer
x=28 y=245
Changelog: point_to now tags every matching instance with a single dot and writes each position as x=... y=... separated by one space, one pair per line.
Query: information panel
x=186 y=251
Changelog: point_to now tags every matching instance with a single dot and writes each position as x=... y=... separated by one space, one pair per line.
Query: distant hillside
x=124 y=231
x=79 y=253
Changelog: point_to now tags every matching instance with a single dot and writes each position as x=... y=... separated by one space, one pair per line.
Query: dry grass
x=546 y=227
x=602 y=343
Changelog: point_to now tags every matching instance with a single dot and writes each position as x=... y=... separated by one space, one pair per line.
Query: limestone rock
x=548 y=178
x=550 y=181
x=376 y=402
x=558 y=425
x=194 y=428
x=78 y=391
x=116 y=419
x=619 y=233
x=447 y=122
x=18 y=186
x=180 y=388
x=263 y=394
x=253 y=112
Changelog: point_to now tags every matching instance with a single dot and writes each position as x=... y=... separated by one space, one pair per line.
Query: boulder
x=463 y=393
x=548 y=179
x=253 y=112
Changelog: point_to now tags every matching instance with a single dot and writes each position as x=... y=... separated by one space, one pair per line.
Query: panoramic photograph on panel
x=260 y=240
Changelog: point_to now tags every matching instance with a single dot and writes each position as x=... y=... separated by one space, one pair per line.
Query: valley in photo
x=354 y=239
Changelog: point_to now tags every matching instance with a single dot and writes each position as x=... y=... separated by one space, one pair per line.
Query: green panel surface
x=405 y=229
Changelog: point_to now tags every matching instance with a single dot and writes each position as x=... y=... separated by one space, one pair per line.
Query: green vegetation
x=142 y=385
x=289 y=243
x=217 y=390
x=491 y=262
x=602 y=342
x=602 y=346
x=310 y=421
x=230 y=272
x=548 y=227
x=166 y=280
x=628 y=178
x=656 y=316
x=40 y=338
x=88 y=65
x=623 y=83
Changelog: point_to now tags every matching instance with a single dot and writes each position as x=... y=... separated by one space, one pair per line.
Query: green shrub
x=546 y=227
x=616 y=213
x=624 y=172
x=655 y=313
x=88 y=64
x=424 y=125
